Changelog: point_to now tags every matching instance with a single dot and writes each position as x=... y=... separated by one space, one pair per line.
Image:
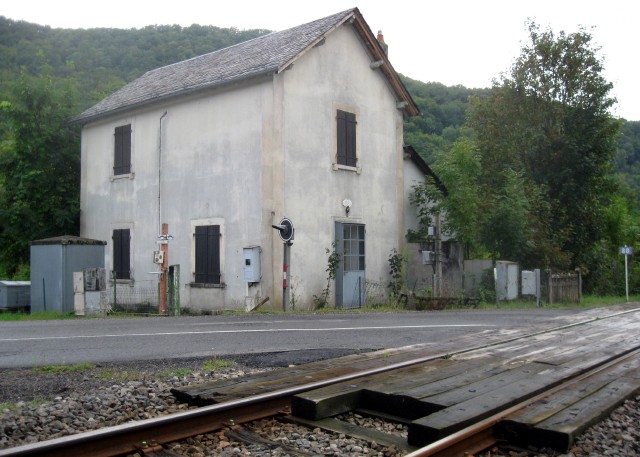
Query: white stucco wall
x=246 y=156
x=211 y=151
x=337 y=75
x=412 y=177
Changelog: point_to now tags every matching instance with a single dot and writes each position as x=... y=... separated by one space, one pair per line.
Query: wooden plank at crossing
x=283 y=378
x=347 y=396
x=560 y=417
x=487 y=385
x=454 y=418
x=560 y=431
x=458 y=415
x=446 y=394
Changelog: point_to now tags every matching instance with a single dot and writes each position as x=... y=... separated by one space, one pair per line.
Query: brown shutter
x=201 y=254
x=122 y=150
x=351 y=139
x=346 y=133
x=214 y=253
x=341 y=125
x=126 y=149
x=207 y=254
x=121 y=253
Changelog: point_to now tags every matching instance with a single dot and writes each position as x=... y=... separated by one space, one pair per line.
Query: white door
x=350 y=278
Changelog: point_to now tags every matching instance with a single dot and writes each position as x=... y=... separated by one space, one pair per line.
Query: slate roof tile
x=266 y=54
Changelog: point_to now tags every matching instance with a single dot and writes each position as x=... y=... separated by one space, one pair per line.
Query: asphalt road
x=95 y=340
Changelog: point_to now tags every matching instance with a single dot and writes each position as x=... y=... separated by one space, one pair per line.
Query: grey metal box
x=251 y=264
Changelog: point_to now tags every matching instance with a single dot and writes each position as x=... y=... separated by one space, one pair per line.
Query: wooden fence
x=564 y=287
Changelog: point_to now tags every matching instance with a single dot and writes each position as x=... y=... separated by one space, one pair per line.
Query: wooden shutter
x=351 y=139
x=346 y=133
x=342 y=137
x=122 y=151
x=121 y=253
x=207 y=254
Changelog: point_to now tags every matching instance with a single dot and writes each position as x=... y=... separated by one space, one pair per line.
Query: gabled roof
x=268 y=54
x=425 y=168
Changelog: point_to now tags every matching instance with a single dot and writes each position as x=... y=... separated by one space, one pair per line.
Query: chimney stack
x=385 y=46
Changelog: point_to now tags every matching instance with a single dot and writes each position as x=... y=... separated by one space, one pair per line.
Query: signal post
x=286 y=231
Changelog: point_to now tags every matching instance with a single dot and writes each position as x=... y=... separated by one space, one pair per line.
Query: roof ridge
x=247 y=42
x=259 y=56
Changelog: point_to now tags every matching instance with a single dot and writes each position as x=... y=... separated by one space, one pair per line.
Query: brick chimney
x=385 y=46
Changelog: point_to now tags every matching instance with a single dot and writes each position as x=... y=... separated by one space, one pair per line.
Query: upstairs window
x=207 y=254
x=346 y=134
x=122 y=150
x=122 y=253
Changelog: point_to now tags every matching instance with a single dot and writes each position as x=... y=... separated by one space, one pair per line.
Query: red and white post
x=164 y=247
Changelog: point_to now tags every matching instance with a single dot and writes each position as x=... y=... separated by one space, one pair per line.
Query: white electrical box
x=428 y=257
x=158 y=257
x=251 y=264
x=78 y=293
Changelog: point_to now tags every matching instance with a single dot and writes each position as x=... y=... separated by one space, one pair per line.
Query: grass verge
x=121 y=376
x=588 y=301
x=216 y=364
x=64 y=368
x=8 y=407
x=37 y=316
x=171 y=373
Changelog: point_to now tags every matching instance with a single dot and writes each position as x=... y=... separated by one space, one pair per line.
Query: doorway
x=350 y=277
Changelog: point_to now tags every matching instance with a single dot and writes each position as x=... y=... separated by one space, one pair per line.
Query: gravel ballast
x=36 y=405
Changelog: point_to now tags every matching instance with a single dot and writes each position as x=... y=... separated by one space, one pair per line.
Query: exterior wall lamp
x=347 y=205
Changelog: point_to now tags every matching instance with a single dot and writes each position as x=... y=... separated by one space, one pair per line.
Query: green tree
x=461 y=204
x=621 y=228
x=548 y=121
x=39 y=168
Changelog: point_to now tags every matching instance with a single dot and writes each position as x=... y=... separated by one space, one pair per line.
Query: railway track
x=454 y=399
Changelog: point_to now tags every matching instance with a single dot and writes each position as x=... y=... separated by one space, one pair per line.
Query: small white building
x=435 y=264
x=14 y=295
x=305 y=123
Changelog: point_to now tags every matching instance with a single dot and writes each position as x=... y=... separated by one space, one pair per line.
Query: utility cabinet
x=87 y=288
x=53 y=262
x=251 y=264
x=506 y=280
x=14 y=294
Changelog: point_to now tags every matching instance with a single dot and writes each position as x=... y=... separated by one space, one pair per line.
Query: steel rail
x=481 y=435
x=129 y=437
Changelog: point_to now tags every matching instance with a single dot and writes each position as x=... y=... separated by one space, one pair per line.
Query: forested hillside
x=49 y=75
x=102 y=60
x=627 y=159
x=444 y=114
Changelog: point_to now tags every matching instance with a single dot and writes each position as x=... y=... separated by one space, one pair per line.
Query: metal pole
x=537 y=279
x=160 y=173
x=44 y=294
x=438 y=260
x=626 y=276
x=163 y=272
x=284 y=277
x=288 y=243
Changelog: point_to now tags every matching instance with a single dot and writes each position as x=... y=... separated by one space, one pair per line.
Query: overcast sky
x=466 y=42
